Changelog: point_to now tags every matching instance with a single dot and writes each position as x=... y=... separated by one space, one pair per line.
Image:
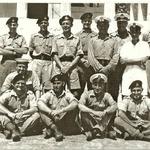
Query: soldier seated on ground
x=133 y=116
x=97 y=109
x=56 y=108
x=18 y=110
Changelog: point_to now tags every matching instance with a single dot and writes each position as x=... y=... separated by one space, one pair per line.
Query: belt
x=67 y=58
x=103 y=62
x=42 y=57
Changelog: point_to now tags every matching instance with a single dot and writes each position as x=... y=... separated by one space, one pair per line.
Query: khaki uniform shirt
x=70 y=47
x=103 y=50
x=17 y=42
x=40 y=44
x=15 y=104
x=99 y=104
x=136 y=111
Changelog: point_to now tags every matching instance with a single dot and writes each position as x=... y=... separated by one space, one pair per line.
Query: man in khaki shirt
x=57 y=108
x=40 y=50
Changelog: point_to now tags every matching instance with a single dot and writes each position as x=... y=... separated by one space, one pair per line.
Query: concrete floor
x=75 y=142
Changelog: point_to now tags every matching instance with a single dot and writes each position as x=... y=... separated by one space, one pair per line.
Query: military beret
x=86 y=15
x=122 y=17
x=12 y=20
x=22 y=61
x=58 y=77
x=135 y=26
x=136 y=83
x=102 y=19
x=18 y=77
x=66 y=17
x=99 y=76
x=45 y=18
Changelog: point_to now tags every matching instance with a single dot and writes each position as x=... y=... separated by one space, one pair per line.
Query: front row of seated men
x=58 y=111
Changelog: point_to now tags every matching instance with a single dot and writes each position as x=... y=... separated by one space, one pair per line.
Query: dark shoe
x=89 y=135
x=7 y=134
x=58 y=135
x=47 y=133
x=16 y=136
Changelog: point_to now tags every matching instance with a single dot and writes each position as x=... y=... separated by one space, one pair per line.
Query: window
x=8 y=9
x=77 y=9
x=36 y=10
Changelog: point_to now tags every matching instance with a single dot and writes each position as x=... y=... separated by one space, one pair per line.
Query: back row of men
x=121 y=56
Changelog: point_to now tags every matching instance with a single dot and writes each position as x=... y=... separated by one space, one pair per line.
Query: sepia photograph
x=74 y=75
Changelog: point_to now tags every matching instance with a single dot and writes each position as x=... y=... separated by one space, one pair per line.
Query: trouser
x=126 y=127
x=88 y=122
x=66 y=124
x=28 y=127
x=6 y=68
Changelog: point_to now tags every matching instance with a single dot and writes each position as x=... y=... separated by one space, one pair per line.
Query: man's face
x=102 y=27
x=58 y=86
x=122 y=25
x=66 y=25
x=136 y=93
x=20 y=86
x=21 y=68
x=98 y=87
x=43 y=25
x=135 y=34
x=12 y=27
x=87 y=23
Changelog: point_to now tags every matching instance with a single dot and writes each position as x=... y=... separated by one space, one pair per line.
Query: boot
x=89 y=135
x=47 y=133
x=14 y=130
x=16 y=135
x=58 y=134
x=8 y=134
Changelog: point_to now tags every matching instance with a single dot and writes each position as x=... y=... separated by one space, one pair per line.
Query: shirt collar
x=83 y=31
x=62 y=94
x=17 y=35
x=62 y=36
x=47 y=35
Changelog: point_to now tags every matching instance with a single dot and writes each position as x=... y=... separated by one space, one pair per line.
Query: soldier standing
x=85 y=35
x=40 y=50
x=12 y=46
x=67 y=51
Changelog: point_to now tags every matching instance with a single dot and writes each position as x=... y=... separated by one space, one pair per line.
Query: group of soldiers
x=90 y=83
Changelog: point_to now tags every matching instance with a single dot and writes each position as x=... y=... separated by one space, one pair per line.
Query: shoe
x=47 y=133
x=58 y=135
x=111 y=135
x=126 y=136
x=7 y=134
x=89 y=135
x=16 y=136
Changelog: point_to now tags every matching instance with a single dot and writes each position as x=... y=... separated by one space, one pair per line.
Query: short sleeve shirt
x=70 y=47
x=41 y=44
x=89 y=99
x=54 y=102
x=15 y=104
x=85 y=38
x=17 y=42
x=135 y=110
